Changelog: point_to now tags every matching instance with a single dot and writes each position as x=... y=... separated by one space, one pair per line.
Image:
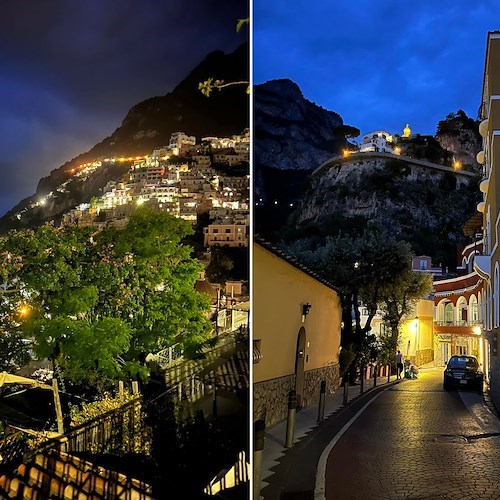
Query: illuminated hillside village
x=179 y=179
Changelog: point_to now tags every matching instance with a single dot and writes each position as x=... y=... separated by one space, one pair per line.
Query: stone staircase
x=58 y=475
x=182 y=373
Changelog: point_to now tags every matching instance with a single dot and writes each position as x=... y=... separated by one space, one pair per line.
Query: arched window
x=473 y=310
x=448 y=313
x=489 y=309
x=480 y=306
x=462 y=307
x=439 y=312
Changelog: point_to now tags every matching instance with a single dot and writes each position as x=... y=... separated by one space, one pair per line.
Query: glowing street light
x=346 y=153
x=457 y=165
x=24 y=310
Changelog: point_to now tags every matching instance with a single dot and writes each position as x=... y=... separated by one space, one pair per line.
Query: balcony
x=483 y=187
x=457 y=323
x=459 y=327
x=482 y=266
x=483 y=126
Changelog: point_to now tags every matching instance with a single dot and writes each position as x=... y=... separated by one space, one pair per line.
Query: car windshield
x=463 y=362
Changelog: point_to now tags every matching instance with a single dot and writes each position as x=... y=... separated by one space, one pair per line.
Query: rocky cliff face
x=459 y=134
x=292 y=137
x=290 y=131
x=148 y=125
x=422 y=205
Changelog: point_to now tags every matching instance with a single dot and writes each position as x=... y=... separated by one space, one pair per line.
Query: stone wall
x=270 y=398
x=495 y=381
x=312 y=383
x=424 y=356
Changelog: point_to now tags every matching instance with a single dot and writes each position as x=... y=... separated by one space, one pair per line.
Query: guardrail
x=457 y=323
x=118 y=431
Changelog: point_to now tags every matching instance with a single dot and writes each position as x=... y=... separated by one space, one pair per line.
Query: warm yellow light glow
x=456 y=165
x=477 y=330
x=397 y=150
x=346 y=153
x=24 y=310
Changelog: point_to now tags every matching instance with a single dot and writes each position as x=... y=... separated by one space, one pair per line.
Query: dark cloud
x=379 y=64
x=71 y=69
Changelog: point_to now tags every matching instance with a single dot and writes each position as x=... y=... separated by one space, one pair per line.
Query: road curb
x=301 y=483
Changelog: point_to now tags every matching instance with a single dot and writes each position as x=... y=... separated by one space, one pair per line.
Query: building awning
x=7 y=378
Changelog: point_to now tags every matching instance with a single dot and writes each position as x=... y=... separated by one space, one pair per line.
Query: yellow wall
x=493 y=67
x=418 y=331
x=279 y=290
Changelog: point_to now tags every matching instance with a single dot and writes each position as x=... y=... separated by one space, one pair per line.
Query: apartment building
x=227 y=233
x=488 y=265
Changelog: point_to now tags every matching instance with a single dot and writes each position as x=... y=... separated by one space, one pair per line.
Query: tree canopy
x=367 y=268
x=97 y=302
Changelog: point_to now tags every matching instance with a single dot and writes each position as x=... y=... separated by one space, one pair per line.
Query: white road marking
x=319 y=487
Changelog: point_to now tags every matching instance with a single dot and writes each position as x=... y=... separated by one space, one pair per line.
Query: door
x=444 y=352
x=299 y=366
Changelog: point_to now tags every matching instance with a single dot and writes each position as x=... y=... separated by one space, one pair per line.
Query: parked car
x=463 y=371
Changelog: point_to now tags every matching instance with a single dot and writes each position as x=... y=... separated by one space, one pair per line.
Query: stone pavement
x=415 y=441
x=305 y=422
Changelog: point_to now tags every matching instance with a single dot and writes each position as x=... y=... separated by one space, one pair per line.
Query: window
x=448 y=313
x=423 y=265
x=496 y=294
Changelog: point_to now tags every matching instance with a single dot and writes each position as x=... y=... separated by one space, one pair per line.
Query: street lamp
x=417 y=333
x=305 y=310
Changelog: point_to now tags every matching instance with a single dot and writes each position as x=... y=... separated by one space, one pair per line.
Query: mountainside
x=148 y=125
x=424 y=203
x=459 y=134
x=290 y=133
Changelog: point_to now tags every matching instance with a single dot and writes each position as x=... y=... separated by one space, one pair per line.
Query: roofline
x=492 y=35
x=270 y=247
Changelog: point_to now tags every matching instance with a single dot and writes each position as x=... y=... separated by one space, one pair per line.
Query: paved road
x=417 y=441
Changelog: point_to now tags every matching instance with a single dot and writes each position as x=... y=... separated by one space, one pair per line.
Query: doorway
x=299 y=366
x=444 y=352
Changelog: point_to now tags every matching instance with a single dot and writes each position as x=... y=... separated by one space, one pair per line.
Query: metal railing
x=12 y=449
x=457 y=323
x=118 y=431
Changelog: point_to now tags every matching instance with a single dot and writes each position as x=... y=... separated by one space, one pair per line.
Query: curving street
x=415 y=440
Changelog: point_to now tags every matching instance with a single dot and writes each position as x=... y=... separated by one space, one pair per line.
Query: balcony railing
x=457 y=323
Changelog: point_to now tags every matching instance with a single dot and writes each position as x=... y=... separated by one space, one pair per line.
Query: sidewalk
x=305 y=421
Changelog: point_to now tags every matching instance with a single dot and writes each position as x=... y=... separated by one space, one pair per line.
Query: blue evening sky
x=379 y=64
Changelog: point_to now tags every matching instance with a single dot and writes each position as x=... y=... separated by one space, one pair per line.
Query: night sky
x=71 y=69
x=379 y=64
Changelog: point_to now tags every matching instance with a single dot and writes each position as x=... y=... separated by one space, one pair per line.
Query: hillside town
x=184 y=179
x=198 y=359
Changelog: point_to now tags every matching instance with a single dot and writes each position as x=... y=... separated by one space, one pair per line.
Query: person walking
x=399 y=364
